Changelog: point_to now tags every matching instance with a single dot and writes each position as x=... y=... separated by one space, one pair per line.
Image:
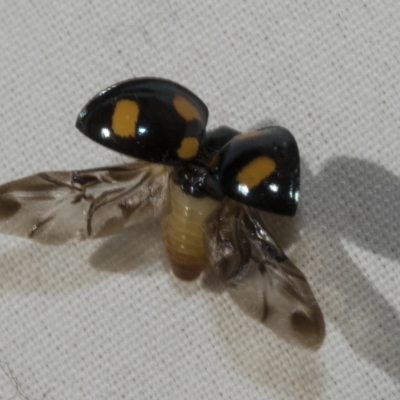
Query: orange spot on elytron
x=189 y=148
x=185 y=108
x=125 y=118
x=255 y=171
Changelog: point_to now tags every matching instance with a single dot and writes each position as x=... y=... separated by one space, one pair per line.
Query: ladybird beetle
x=207 y=188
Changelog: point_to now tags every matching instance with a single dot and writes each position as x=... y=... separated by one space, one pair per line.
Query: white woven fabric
x=105 y=319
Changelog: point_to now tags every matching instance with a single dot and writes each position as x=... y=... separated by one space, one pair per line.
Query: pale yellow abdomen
x=182 y=234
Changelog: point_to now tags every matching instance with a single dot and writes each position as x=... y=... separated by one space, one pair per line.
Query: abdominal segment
x=182 y=234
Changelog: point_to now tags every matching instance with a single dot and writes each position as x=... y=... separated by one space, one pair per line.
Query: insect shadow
x=355 y=200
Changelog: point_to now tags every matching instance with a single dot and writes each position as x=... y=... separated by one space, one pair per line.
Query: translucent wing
x=56 y=207
x=259 y=276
